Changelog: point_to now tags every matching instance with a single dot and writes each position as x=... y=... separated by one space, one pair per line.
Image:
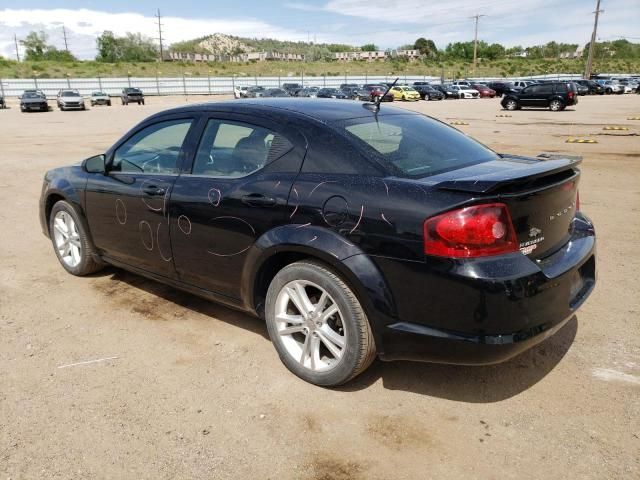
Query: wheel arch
x=290 y=243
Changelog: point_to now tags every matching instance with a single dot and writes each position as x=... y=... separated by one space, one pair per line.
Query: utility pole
x=160 y=35
x=592 y=44
x=475 y=42
x=15 y=41
x=64 y=35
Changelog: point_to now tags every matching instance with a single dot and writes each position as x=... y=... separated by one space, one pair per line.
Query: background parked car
x=33 y=101
x=376 y=91
x=465 y=92
x=275 y=92
x=524 y=83
x=611 y=87
x=554 y=96
x=582 y=89
x=502 y=88
x=2 y=102
x=292 y=88
x=70 y=100
x=350 y=92
x=485 y=92
x=254 y=92
x=309 y=92
x=446 y=90
x=353 y=86
x=132 y=95
x=100 y=98
x=594 y=87
x=427 y=92
x=405 y=93
x=240 y=91
x=331 y=93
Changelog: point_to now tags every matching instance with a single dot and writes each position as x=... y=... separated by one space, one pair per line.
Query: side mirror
x=95 y=164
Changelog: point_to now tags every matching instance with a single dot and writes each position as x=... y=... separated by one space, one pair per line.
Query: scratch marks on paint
x=386 y=186
x=345 y=242
x=184 y=224
x=226 y=217
x=303 y=225
x=144 y=225
x=359 y=220
x=277 y=184
x=385 y=218
x=297 y=202
x=150 y=182
x=217 y=196
x=313 y=239
x=319 y=185
x=121 y=212
x=158 y=243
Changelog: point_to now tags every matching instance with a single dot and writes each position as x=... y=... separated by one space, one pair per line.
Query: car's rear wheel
x=556 y=105
x=317 y=325
x=71 y=242
x=511 y=105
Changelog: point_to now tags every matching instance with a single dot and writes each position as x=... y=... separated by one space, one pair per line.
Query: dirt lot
x=197 y=391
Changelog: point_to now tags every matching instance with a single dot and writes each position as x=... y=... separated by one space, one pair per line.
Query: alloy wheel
x=67 y=239
x=310 y=325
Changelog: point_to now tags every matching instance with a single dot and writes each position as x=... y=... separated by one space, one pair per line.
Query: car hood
x=71 y=99
x=33 y=100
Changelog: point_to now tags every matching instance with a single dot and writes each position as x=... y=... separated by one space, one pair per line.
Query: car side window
x=236 y=149
x=545 y=89
x=154 y=149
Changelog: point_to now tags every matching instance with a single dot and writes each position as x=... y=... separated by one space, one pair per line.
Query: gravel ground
x=196 y=390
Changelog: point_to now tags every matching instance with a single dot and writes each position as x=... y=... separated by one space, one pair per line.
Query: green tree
x=133 y=47
x=426 y=47
x=369 y=47
x=35 y=44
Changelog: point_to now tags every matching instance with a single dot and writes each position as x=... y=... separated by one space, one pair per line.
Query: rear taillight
x=570 y=95
x=477 y=231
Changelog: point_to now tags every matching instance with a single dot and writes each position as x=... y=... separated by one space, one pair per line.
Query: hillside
x=222 y=44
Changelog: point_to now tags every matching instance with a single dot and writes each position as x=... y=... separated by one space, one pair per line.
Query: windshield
x=416 y=145
x=70 y=93
x=32 y=95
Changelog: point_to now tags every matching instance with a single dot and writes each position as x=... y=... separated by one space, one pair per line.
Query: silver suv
x=70 y=100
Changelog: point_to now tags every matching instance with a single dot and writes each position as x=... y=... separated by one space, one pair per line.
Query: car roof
x=323 y=110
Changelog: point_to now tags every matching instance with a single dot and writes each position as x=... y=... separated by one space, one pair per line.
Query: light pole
x=209 y=81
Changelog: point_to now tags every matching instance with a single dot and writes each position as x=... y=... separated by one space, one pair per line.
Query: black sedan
x=33 y=101
x=427 y=92
x=353 y=231
x=275 y=92
x=332 y=93
x=447 y=91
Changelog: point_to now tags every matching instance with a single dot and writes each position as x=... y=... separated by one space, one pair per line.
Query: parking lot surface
x=191 y=389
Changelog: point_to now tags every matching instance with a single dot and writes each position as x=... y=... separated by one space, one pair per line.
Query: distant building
x=521 y=54
x=241 y=57
x=577 y=54
x=375 y=55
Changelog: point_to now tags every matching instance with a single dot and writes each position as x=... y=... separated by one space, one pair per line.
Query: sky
x=386 y=23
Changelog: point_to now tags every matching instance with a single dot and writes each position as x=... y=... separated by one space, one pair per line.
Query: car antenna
x=376 y=102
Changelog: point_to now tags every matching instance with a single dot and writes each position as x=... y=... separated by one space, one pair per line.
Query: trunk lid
x=540 y=194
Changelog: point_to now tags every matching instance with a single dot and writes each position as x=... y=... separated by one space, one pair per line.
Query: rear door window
x=415 y=145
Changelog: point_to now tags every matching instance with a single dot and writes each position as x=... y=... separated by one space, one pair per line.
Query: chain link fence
x=197 y=85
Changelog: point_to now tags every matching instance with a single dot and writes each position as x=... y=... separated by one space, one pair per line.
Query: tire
x=326 y=368
x=608 y=91
x=427 y=98
x=109 y=103
x=511 y=105
x=404 y=99
x=142 y=102
x=80 y=259
x=556 y=105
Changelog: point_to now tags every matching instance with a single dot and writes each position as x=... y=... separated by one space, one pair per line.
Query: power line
x=160 y=34
x=15 y=41
x=475 y=41
x=587 y=71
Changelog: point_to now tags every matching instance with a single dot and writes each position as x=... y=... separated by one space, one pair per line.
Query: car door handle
x=154 y=191
x=258 y=200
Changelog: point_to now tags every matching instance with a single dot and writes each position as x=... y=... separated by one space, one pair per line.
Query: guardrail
x=198 y=85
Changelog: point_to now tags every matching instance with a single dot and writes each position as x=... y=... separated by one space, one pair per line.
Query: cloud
x=83 y=26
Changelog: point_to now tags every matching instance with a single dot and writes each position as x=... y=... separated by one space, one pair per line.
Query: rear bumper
x=484 y=311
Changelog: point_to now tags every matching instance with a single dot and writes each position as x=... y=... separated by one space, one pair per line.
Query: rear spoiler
x=527 y=176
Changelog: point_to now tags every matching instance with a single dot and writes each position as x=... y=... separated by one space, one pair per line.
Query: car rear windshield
x=416 y=145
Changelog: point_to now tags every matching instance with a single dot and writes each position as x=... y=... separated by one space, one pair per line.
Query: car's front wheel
x=70 y=240
x=317 y=325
